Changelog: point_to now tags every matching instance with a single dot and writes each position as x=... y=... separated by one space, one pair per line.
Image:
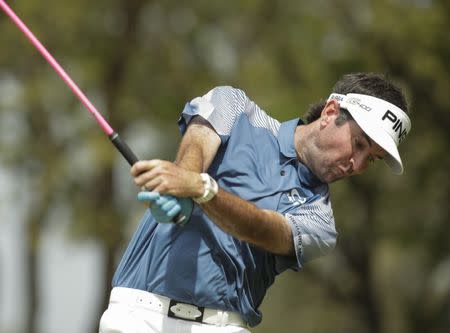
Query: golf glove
x=167 y=208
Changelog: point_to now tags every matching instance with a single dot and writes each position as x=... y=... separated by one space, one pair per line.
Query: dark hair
x=343 y=117
x=372 y=84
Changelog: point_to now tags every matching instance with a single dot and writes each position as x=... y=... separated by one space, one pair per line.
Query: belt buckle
x=185 y=311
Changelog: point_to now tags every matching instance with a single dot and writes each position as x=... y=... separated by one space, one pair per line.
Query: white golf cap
x=383 y=122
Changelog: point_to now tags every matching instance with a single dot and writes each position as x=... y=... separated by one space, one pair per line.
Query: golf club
x=121 y=146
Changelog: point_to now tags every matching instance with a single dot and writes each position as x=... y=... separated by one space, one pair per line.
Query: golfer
x=250 y=197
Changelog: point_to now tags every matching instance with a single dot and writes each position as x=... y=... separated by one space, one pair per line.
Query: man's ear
x=329 y=112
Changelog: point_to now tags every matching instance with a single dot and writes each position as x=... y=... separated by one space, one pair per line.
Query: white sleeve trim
x=222 y=106
x=203 y=105
x=313 y=230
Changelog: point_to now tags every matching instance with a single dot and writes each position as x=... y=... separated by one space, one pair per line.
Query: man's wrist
x=210 y=189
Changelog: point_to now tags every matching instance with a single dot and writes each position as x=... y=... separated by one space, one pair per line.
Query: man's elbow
x=277 y=238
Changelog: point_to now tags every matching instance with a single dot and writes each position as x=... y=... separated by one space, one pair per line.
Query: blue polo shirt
x=201 y=264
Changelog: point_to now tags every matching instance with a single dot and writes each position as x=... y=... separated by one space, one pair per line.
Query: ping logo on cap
x=398 y=126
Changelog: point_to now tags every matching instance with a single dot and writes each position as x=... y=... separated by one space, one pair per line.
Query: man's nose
x=358 y=164
x=350 y=167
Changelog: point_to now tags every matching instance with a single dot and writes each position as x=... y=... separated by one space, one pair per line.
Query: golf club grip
x=131 y=158
x=123 y=148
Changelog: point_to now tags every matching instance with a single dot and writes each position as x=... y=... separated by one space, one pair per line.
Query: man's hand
x=167 y=178
x=165 y=208
x=170 y=189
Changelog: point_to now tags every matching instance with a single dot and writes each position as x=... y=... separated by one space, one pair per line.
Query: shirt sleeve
x=221 y=107
x=313 y=232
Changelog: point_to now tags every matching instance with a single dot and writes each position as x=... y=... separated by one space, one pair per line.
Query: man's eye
x=358 y=144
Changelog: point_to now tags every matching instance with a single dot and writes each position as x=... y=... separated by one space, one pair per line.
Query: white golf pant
x=136 y=311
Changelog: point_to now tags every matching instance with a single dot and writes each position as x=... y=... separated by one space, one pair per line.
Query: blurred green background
x=66 y=196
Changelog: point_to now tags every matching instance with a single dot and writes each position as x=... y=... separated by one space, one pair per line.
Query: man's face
x=342 y=151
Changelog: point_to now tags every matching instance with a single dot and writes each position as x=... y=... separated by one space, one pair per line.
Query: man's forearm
x=198 y=147
x=264 y=228
x=190 y=158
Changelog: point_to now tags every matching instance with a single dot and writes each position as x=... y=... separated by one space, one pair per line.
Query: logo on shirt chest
x=295 y=198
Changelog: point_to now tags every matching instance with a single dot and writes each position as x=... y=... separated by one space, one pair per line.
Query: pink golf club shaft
x=114 y=137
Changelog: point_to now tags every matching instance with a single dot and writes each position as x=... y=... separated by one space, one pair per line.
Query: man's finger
x=174 y=211
x=148 y=196
x=143 y=166
x=169 y=204
x=150 y=178
x=161 y=201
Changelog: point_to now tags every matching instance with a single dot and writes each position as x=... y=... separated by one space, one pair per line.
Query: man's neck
x=303 y=137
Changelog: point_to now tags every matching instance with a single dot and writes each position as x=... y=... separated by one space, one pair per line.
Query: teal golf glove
x=167 y=208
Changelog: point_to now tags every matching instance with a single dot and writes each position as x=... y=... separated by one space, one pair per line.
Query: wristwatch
x=210 y=189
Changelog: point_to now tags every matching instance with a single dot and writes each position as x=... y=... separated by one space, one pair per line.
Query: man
x=262 y=204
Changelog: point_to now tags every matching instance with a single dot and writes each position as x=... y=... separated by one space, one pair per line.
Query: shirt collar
x=287 y=148
x=286 y=137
